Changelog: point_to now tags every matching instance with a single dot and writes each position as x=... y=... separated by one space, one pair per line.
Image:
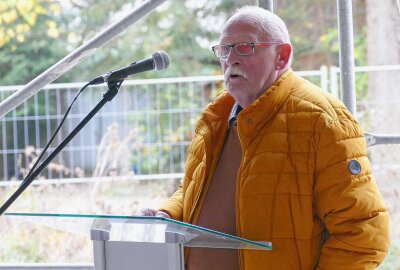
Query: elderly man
x=274 y=158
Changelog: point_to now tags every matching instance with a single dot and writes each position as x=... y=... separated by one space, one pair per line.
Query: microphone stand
x=108 y=96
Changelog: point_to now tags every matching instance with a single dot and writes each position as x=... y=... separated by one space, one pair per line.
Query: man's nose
x=232 y=57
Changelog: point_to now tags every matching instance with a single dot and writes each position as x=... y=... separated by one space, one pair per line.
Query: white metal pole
x=76 y=56
x=346 y=55
x=266 y=4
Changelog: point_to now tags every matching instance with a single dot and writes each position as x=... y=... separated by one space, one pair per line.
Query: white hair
x=269 y=24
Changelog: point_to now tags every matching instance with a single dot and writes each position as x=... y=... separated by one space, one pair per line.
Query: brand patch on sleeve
x=354 y=167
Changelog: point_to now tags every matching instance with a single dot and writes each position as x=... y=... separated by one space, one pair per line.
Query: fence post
x=324 y=77
x=333 y=81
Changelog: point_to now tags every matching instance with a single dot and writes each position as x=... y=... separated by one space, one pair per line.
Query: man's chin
x=236 y=86
x=234 y=91
x=237 y=94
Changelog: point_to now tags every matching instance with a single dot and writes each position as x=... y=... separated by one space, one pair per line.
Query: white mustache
x=234 y=70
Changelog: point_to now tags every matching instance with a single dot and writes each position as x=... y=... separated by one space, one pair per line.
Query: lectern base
x=137 y=256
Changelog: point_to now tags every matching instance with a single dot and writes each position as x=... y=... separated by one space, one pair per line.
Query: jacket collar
x=267 y=105
x=258 y=113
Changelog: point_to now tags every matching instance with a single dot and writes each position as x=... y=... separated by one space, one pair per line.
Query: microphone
x=158 y=61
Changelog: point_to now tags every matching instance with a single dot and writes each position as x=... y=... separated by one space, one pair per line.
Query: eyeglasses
x=242 y=48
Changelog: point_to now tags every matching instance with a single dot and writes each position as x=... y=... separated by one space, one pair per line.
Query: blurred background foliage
x=36 y=34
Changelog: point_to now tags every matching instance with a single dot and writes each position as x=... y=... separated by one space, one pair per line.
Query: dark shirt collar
x=234 y=113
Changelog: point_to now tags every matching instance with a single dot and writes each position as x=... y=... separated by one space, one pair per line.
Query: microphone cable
x=57 y=130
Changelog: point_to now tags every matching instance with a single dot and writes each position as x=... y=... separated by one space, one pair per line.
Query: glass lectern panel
x=140 y=229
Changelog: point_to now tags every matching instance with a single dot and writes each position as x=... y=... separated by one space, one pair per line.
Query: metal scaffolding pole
x=347 y=70
x=376 y=139
x=346 y=55
x=266 y=4
x=76 y=56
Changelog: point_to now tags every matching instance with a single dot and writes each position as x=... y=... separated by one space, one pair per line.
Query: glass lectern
x=137 y=242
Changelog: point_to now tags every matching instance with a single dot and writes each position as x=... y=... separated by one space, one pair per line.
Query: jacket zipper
x=238 y=178
x=207 y=174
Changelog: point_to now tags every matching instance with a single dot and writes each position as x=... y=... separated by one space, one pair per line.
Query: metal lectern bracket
x=174 y=238
x=99 y=235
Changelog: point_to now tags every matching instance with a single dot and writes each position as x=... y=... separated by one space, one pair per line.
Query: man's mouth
x=234 y=73
x=235 y=77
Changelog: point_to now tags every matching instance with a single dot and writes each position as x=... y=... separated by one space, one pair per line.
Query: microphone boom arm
x=108 y=96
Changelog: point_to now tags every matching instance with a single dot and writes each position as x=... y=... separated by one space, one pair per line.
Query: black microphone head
x=161 y=60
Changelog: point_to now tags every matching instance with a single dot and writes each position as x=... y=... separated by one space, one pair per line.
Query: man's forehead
x=240 y=29
x=242 y=23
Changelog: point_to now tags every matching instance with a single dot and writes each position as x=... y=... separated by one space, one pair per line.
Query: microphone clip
x=113 y=87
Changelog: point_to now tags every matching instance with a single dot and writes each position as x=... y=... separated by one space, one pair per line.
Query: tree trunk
x=383 y=21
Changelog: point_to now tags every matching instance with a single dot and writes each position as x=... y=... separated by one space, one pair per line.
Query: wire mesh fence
x=145 y=130
x=132 y=153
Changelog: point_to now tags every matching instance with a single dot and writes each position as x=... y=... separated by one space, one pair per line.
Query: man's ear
x=284 y=52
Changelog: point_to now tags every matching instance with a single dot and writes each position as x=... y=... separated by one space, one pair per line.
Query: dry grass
x=24 y=242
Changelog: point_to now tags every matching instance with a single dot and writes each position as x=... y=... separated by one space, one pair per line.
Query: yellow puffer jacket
x=299 y=185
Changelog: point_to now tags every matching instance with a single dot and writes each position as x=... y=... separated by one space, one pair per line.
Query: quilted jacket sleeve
x=347 y=198
x=174 y=205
